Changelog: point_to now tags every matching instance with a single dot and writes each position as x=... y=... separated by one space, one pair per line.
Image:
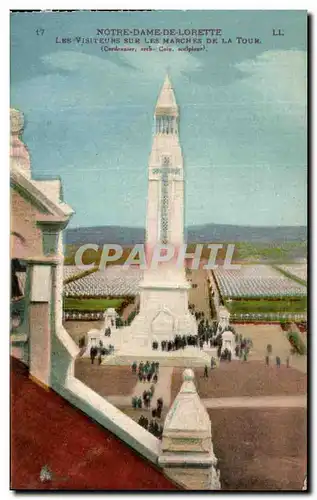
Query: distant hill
x=127 y=236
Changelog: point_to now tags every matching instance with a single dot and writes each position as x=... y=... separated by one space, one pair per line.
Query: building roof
x=39 y=194
x=48 y=432
x=45 y=193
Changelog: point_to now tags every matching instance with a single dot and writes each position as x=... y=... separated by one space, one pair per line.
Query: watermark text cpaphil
x=176 y=255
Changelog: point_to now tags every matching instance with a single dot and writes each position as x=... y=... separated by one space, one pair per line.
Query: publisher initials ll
x=278 y=32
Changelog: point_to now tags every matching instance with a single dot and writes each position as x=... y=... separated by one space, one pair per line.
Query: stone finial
x=16 y=121
x=188 y=375
x=187 y=451
x=19 y=155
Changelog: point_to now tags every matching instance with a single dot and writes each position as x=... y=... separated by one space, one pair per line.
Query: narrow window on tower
x=164 y=212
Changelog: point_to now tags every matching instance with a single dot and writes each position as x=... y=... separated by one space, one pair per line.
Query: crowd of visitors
x=100 y=351
x=145 y=402
x=207 y=332
x=277 y=361
x=147 y=372
x=179 y=342
x=152 y=426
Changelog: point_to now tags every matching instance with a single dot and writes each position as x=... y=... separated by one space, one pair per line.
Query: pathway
x=162 y=390
x=257 y=402
x=199 y=296
x=162 y=387
x=130 y=308
x=262 y=335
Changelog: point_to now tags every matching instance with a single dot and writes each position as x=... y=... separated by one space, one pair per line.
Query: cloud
x=68 y=60
x=80 y=80
x=151 y=64
x=278 y=80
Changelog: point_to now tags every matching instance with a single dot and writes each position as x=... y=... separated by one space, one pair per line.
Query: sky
x=89 y=113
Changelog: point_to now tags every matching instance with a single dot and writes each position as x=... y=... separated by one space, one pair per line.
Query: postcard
x=158 y=198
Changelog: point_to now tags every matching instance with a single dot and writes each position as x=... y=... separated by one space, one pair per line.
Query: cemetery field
x=251 y=378
x=105 y=380
x=114 y=281
x=90 y=304
x=257 y=281
x=297 y=272
x=260 y=449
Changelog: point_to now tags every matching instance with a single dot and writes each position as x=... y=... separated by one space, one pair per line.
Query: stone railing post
x=187 y=454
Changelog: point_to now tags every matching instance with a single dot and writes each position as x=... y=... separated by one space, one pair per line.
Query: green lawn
x=90 y=304
x=267 y=306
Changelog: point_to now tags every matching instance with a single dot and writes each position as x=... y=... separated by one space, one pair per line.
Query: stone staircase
x=187 y=358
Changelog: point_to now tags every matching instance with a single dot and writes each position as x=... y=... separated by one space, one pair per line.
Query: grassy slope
x=90 y=304
x=265 y=252
x=267 y=306
x=80 y=274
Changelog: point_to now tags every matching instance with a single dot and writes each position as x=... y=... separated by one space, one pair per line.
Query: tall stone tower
x=165 y=206
x=164 y=290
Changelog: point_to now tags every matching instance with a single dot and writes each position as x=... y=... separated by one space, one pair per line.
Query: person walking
x=99 y=358
x=144 y=395
x=278 y=361
x=93 y=354
x=206 y=371
x=159 y=407
x=267 y=360
x=156 y=428
x=148 y=400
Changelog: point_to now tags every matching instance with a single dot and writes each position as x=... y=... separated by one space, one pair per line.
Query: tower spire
x=166 y=103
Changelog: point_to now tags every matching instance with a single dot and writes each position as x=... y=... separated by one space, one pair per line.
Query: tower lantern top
x=166 y=103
